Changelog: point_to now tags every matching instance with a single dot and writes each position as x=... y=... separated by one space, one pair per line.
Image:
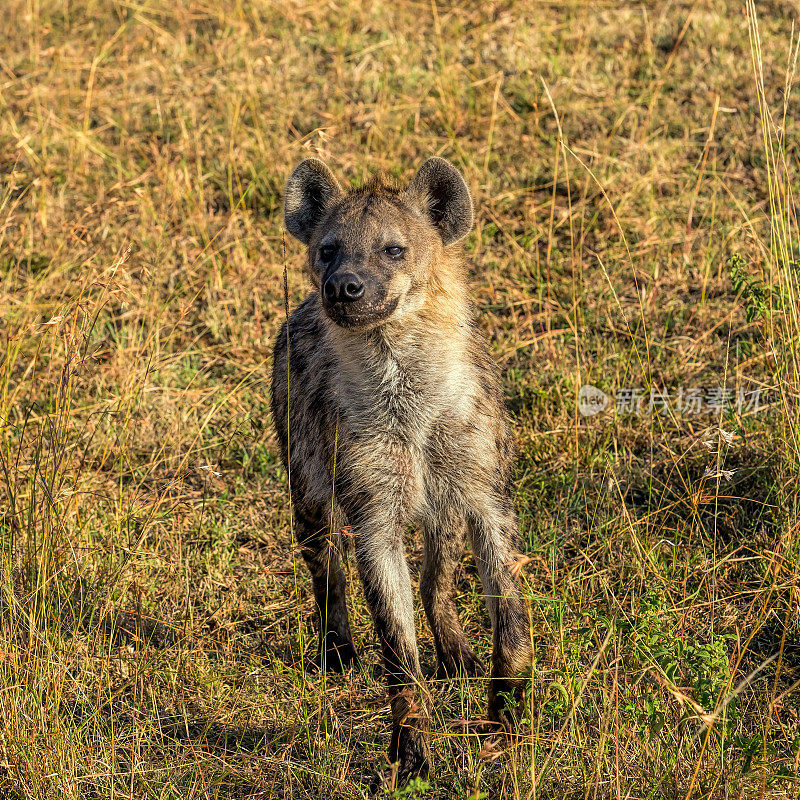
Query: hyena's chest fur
x=403 y=418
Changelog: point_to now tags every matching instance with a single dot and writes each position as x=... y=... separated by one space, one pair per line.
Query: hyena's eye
x=394 y=250
x=327 y=253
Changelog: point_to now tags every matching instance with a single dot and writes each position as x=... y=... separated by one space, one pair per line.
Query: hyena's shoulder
x=305 y=328
x=304 y=398
x=492 y=402
x=485 y=368
x=302 y=347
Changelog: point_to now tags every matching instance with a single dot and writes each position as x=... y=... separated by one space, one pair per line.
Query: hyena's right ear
x=309 y=191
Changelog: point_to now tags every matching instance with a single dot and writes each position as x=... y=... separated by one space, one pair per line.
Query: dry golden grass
x=153 y=621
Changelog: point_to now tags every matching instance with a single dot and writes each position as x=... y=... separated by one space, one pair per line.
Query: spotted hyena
x=390 y=415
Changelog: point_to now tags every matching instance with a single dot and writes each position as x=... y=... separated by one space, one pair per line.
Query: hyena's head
x=373 y=252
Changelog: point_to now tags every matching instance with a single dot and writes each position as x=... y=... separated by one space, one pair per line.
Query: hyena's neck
x=421 y=366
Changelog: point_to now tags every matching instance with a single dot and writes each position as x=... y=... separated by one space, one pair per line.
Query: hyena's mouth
x=357 y=315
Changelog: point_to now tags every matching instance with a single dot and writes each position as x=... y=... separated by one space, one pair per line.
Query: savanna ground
x=634 y=168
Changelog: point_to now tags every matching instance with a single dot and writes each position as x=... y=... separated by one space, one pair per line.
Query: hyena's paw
x=411 y=752
x=506 y=703
x=410 y=748
x=338 y=656
x=461 y=663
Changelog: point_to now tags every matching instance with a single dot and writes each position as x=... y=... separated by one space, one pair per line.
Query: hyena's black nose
x=343 y=287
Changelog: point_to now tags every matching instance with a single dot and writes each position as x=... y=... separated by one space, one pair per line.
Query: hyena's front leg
x=336 y=648
x=387 y=589
x=444 y=544
x=494 y=544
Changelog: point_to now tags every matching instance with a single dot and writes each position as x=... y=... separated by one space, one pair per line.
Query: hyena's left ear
x=311 y=188
x=440 y=191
